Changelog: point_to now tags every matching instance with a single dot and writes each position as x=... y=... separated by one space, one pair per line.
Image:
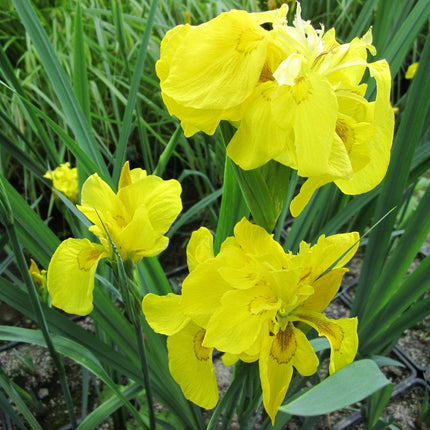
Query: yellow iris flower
x=251 y=302
x=294 y=93
x=136 y=219
x=64 y=179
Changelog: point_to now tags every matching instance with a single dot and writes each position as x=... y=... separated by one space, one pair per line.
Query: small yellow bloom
x=294 y=93
x=64 y=179
x=251 y=302
x=39 y=279
x=135 y=218
x=412 y=69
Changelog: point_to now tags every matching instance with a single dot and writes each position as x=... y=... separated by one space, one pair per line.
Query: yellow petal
x=306 y=192
x=341 y=334
x=161 y=198
x=260 y=136
x=255 y=241
x=325 y=288
x=410 y=73
x=200 y=248
x=215 y=65
x=71 y=271
x=138 y=238
x=337 y=248
x=279 y=353
x=202 y=290
x=191 y=366
x=237 y=325
x=314 y=114
x=380 y=145
x=162 y=313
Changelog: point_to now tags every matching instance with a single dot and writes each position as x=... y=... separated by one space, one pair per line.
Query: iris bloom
x=294 y=93
x=135 y=218
x=252 y=302
x=64 y=179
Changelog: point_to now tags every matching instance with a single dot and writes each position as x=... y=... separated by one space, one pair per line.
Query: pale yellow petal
x=162 y=313
x=71 y=272
x=191 y=366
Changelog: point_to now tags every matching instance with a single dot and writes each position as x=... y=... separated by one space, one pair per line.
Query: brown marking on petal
x=284 y=346
x=201 y=352
x=346 y=133
x=301 y=90
x=87 y=258
x=261 y=304
x=248 y=40
x=120 y=220
x=266 y=74
x=326 y=329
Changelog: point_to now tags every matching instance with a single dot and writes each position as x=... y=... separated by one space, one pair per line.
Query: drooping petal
x=200 y=248
x=71 y=271
x=279 y=353
x=341 y=334
x=191 y=366
x=305 y=194
x=162 y=313
x=380 y=145
x=314 y=115
x=238 y=323
x=260 y=137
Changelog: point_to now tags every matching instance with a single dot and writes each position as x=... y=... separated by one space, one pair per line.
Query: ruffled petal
x=215 y=65
x=161 y=198
x=71 y=271
x=238 y=323
x=139 y=239
x=191 y=366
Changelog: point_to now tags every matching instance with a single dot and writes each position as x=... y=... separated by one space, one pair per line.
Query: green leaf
x=74 y=350
x=362 y=378
x=61 y=85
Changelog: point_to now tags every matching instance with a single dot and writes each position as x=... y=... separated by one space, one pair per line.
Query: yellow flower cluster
x=135 y=219
x=64 y=179
x=294 y=93
x=251 y=302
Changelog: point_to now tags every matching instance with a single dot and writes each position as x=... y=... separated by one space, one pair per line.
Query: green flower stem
x=41 y=321
x=132 y=307
x=231 y=397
